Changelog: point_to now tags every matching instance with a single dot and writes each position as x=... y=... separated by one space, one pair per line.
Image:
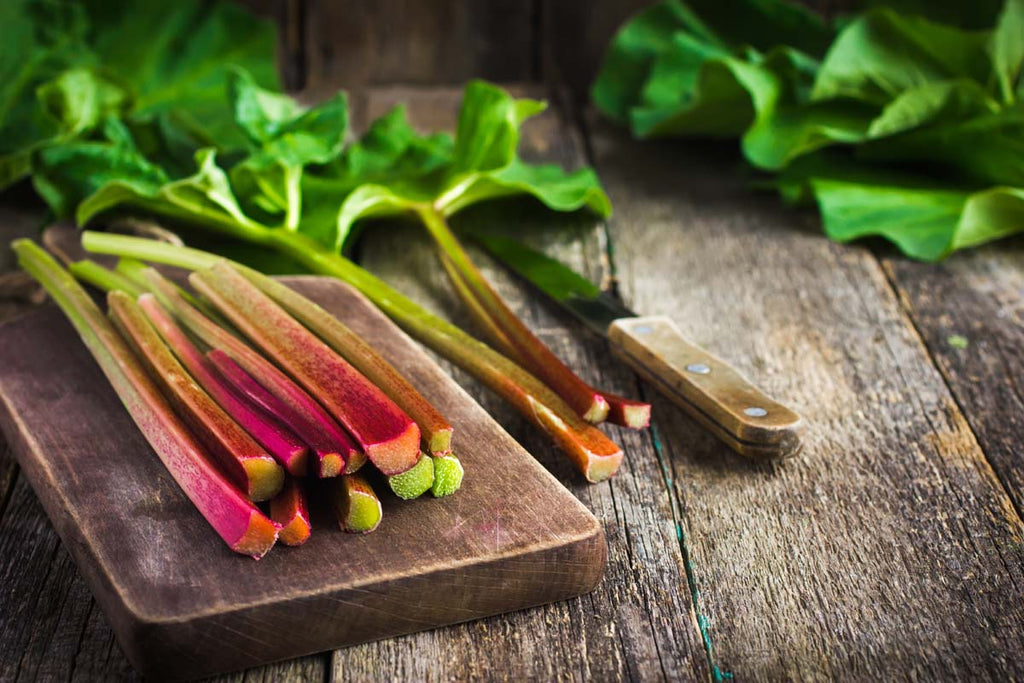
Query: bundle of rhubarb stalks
x=243 y=388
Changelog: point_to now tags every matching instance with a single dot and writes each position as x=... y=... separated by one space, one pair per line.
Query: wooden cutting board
x=183 y=605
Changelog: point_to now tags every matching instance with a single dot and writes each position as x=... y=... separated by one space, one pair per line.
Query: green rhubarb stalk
x=356 y=506
x=135 y=270
x=252 y=469
x=236 y=520
x=386 y=434
x=435 y=430
x=448 y=475
x=102 y=278
x=594 y=454
x=512 y=335
x=415 y=481
x=334 y=450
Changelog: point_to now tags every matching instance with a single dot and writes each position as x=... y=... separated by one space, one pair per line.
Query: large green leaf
x=392 y=171
x=177 y=56
x=925 y=224
x=881 y=54
x=41 y=38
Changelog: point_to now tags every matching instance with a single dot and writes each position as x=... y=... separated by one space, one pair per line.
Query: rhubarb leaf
x=178 y=59
x=923 y=108
x=1007 y=50
x=205 y=198
x=882 y=53
x=283 y=137
x=482 y=165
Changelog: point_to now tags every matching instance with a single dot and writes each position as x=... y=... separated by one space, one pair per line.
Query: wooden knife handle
x=709 y=389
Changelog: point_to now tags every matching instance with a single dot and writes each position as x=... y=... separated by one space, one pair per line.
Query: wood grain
x=183 y=605
x=889 y=548
x=978 y=296
x=351 y=44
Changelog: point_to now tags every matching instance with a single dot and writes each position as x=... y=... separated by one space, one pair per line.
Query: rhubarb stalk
x=243 y=459
x=102 y=278
x=279 y=441
x=236 y=520
x=334 y=449
x=528 y=350
x=386 y=434
x=288 y=510
x=594 y=454
x=435 y=430
x=356 y=505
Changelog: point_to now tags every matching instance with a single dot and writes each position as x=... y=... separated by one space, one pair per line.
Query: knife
x=709 y=389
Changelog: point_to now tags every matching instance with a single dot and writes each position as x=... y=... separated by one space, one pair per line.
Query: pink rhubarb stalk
x=435 y=430
x=388 y=436
x=288 y=510
x=243 y=459
x=236 y=520
x=279 y=441
x=334 y=450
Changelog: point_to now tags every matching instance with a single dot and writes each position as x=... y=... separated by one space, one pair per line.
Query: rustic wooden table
x=892 y=547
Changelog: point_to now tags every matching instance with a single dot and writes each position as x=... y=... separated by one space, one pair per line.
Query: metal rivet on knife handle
x=710 y=390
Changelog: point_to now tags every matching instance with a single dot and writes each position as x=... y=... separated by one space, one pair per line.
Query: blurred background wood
x=331 y=44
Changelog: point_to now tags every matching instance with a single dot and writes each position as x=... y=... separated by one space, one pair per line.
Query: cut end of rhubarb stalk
x=258 y=538
x=595 y=455
x=265 y=477
x=356 y=505
x=288 y=510
x=598 y=410
x=448 y=474
x=295 y=532
x=356 y=459
x=414 y=482
x=440 y=442
x=626 y=412
x=601 y=467
x=399 y=454
x=330 y=465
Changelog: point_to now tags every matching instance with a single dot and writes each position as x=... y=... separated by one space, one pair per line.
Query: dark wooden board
x=181 y=604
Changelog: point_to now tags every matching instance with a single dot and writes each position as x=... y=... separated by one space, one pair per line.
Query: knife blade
x=709 y=389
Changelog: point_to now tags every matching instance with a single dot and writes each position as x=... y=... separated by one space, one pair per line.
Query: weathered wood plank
x=639 y=623
x=351 y=44
x=970 y=312
x=888 y=548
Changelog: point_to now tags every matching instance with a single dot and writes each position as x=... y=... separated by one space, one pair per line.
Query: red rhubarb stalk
x=288 y=510
x=386 y=434
x=334 y=449
x=279 y=441
x=243 y=459
x=530 y=351
x=590 y=450
x=435 y=430
x=236 y=520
